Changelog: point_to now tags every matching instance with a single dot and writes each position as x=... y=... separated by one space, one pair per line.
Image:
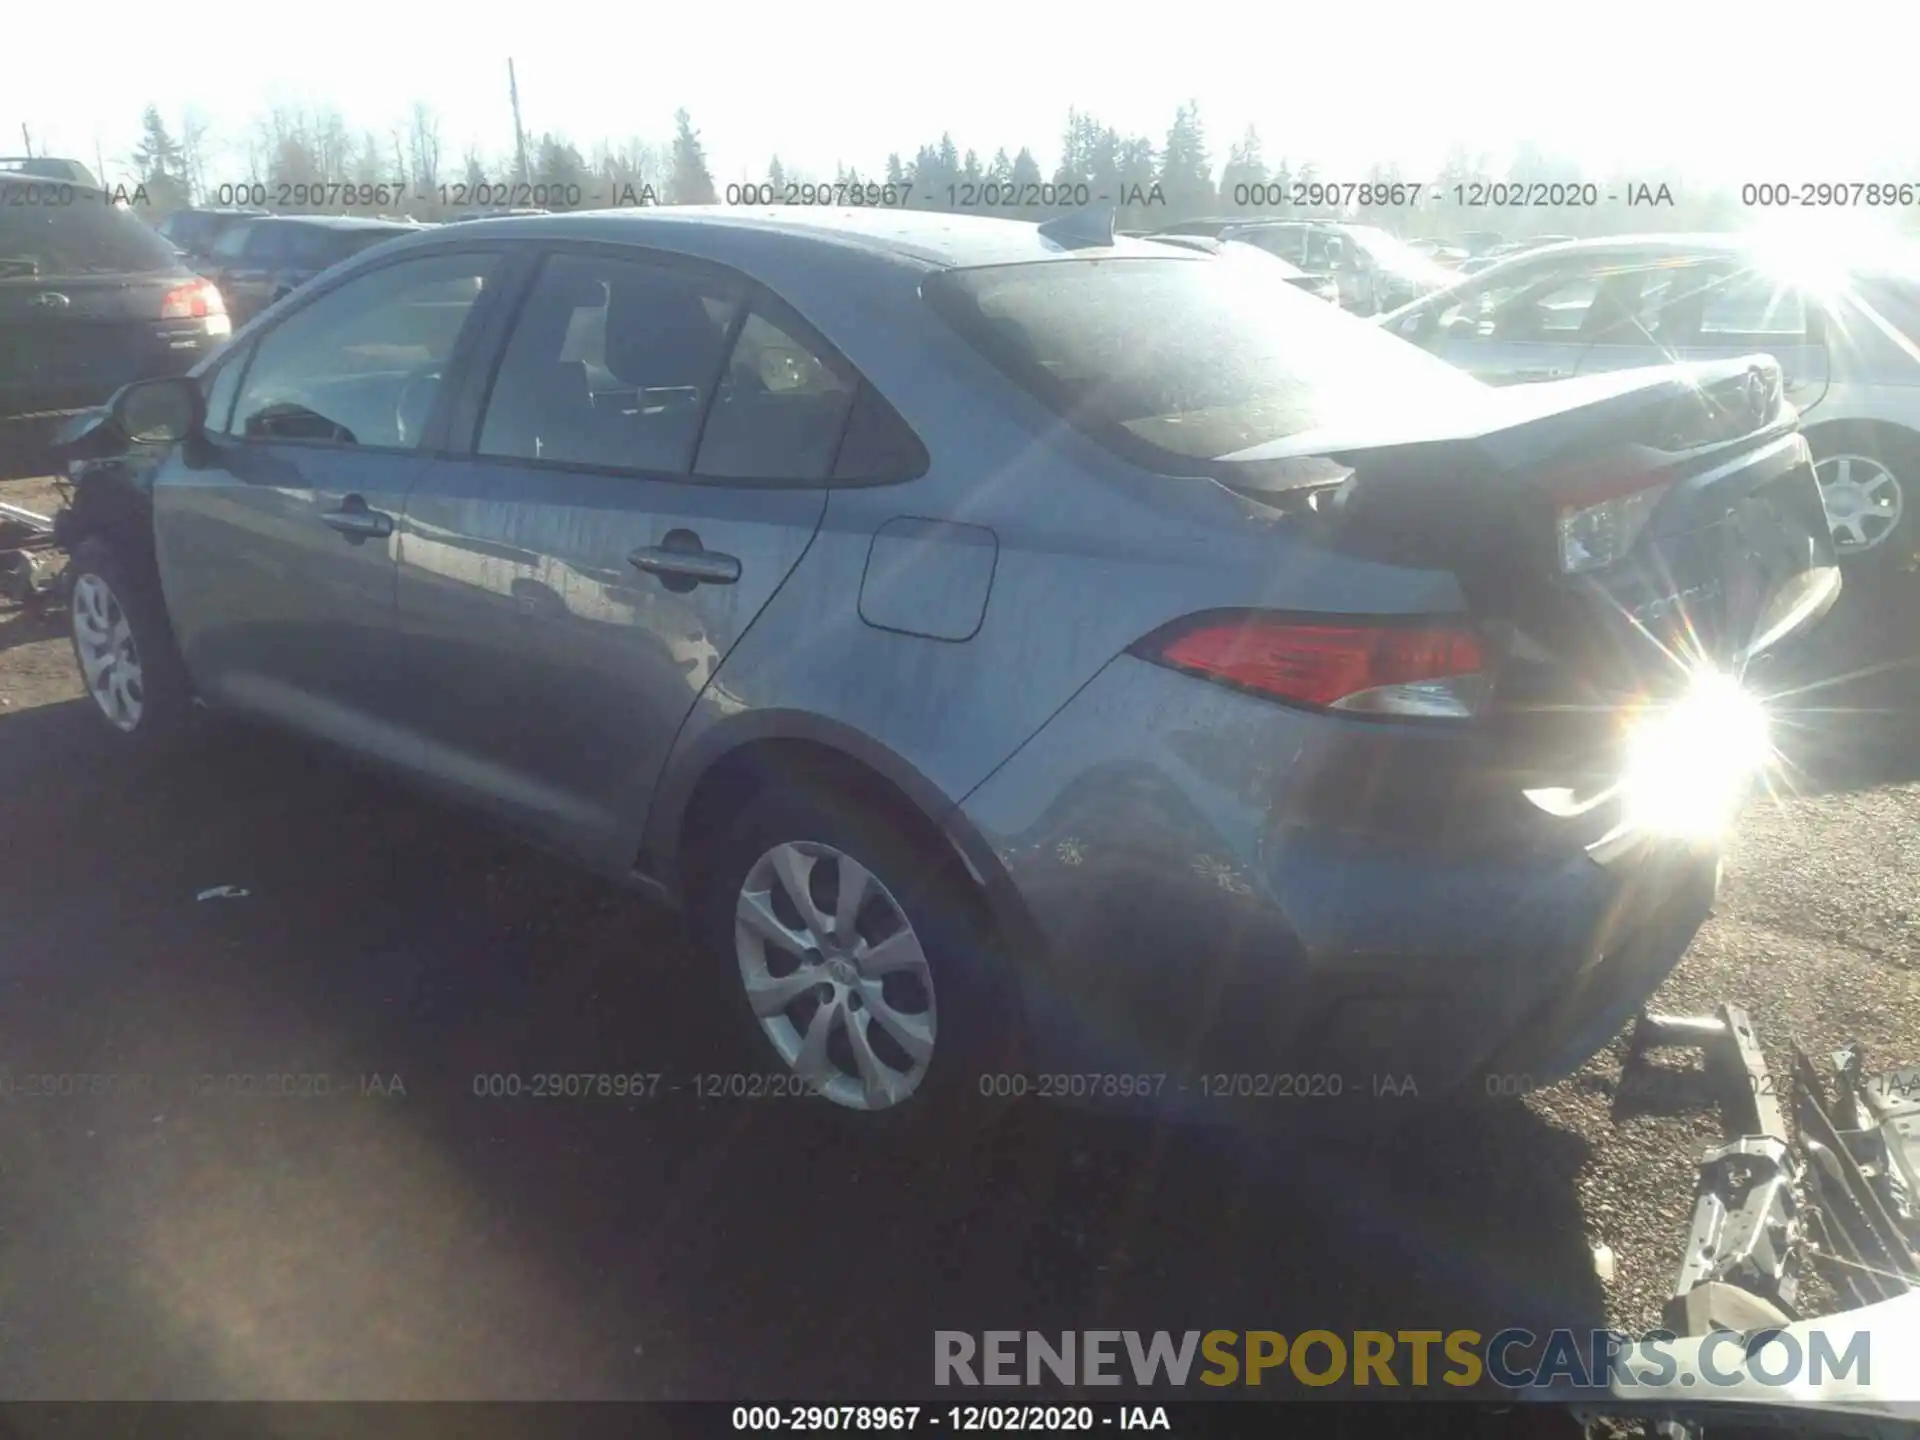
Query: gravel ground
x=441 y=1246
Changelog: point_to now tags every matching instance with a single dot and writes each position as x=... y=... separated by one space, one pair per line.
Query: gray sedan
x=1849 y=339
x=1039 y=663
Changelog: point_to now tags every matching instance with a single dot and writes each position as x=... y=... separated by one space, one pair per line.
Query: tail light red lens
x=1383 y=669
x=195 y=300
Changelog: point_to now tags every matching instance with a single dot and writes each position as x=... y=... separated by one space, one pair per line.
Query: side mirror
x=158 y=412
x=147 y=412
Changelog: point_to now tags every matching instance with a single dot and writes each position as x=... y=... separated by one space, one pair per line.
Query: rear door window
x=86 y=237
x=611 y=364
x=1747 y=304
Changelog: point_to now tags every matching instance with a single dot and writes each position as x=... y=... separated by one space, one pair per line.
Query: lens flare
x=1692 y=764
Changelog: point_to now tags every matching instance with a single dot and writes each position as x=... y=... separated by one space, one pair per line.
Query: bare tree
x=423 y=150
x=194 y=148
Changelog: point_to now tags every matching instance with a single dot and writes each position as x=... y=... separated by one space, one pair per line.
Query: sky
x=1724 y=93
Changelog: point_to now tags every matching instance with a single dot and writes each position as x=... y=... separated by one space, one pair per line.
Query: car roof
x=333 y=222
x=931 y=238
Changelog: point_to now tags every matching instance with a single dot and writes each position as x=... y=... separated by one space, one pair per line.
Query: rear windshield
x=1172 y=360
x=85 y=237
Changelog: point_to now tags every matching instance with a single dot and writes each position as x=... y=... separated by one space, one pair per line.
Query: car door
x=1726 y=307
x=647 y=464
x=276 y=531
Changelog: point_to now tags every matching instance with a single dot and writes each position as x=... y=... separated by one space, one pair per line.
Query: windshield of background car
x=85 y=237
x=1170 y=361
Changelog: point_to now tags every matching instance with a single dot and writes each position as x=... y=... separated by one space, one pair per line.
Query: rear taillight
x=195 y=300
x=1424 y=670
x=1598 y=526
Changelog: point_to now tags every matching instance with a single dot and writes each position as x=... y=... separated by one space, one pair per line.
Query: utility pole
x=519 y=134
x=26 y=137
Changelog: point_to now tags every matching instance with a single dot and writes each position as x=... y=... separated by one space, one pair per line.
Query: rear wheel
x=124 y=646
x=1866 y=479
x=852 y=960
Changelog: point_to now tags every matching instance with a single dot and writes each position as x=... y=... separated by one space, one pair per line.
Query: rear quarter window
x=86 y=237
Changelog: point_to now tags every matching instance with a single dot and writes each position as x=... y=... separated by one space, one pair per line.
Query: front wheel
x=855 y=967
x=124 y=646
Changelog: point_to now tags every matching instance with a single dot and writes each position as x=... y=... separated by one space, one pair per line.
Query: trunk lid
x=1736 y=533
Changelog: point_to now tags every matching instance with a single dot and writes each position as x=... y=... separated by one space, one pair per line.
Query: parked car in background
x=256 y=261
x=1375 y=271
x=960 y=617
x=1324 y=286
x=195 y=232
x=1211 y=226
x=90 y=298
x=1441 y=252
x=48 y=167
x=1488 y=259
x=1847 y=337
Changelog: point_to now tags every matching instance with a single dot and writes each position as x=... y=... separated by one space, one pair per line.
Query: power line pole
x=26 y=137
x=519 y=134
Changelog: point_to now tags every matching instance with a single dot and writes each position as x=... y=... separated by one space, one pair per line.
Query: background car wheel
x=124 y=646
x=1867 y=479
x=853 y=960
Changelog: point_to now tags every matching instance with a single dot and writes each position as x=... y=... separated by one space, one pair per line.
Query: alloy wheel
x=109 y=658
x=836 y=975
x=1863 y=499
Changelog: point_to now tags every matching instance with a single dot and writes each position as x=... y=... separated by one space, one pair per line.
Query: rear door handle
x=358 y=523
x=684 y=560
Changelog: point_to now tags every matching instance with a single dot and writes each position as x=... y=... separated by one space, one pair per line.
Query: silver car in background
x=1847 y=338
x=1375 y=271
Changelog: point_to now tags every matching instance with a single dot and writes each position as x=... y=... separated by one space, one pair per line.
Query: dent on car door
x=648 y=464
x=276 y=534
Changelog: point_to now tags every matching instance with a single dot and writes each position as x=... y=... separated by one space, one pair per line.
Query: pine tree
x=1186 y=175
x=690 y=182
x=160 y=164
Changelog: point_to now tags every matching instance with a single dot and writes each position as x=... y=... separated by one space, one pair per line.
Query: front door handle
x=682 y=562
x=358 y=523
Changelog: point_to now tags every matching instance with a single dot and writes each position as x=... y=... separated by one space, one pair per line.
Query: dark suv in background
x=90 y=299
x=194 y=233
x=256 y=261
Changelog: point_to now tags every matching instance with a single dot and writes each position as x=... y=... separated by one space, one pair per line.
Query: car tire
x=952 y=1021
x=1861 y=471
x=124 y=647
